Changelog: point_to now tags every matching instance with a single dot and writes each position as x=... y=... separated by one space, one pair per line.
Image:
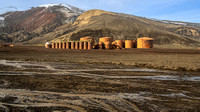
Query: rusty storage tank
x=60 y=45
x=106 y=39
x=85 y=45
x=76 y=45
x=114 y=43
x=145 y=42
x=90 y=45
x=128 y=44
x=68 y=45
x=13 y=46
x=134 y=44
x=53 y=45
x=57 y=45
x=108 y=45
x=81 y=45
x=64 y=45
x=88 y=38
x=119 y=43
x=72 y=45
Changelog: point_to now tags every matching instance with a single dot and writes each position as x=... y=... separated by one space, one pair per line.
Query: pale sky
x=178 y=10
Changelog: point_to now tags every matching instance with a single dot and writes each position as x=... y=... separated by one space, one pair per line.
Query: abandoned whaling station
x=103 y=43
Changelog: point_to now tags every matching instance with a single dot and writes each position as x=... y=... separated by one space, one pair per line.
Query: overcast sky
x=179 y=10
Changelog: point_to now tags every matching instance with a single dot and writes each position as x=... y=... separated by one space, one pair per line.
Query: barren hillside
x=58 y=22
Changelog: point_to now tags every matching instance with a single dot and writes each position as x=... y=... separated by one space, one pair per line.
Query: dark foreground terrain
x=38 y=79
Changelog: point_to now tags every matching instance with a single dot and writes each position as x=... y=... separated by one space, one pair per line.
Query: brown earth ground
x=52 y=80
x=168 y=59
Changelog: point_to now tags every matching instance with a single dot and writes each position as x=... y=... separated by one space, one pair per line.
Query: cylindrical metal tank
x=119 y=43
x=53 y=45
x=85 y=45
x=145 y=42
x=57 y=45
x=114 y=43
x=90 y=45
x=128 y=44
x=81 y=45
x=106 y=39
x=87 y=39
x=60 y=45
x=68 y=45
x=64 y=45
x=76 y=45
x=108 y=45
x=72 y=45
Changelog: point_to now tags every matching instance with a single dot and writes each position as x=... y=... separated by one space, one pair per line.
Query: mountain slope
x=22 y=26
x=98 y=23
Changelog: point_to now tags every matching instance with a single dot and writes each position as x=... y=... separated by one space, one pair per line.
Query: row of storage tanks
x=104 y=43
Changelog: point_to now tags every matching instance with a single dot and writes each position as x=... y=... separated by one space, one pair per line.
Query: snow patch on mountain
x=70 y=13
x=64 y=8
x=49 y=5
x=168 y=22
x=1 y=18
x=1 y=21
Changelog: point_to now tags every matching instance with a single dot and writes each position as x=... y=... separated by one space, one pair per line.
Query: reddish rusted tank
x=68 y=45
x=53 y=45
x=88 y=38
x=81 y=45
x=108 y=45
x=85 y=45
x=60 y=45
x=128 y=44
x=64 y=45
x=57 y=45
x=90 y=45
x=106 y=39
x=145 y=42
x=72 y=45
x=76 y=45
